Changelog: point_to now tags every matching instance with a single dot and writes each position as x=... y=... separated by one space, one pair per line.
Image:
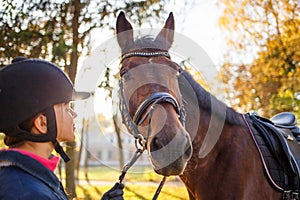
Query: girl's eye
x=71 y=111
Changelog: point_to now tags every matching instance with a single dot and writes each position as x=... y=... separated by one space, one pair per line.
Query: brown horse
x=171 y=111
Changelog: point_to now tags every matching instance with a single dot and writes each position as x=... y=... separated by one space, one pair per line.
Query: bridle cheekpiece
x=153 y=100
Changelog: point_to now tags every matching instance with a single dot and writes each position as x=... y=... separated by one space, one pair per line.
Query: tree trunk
x=121 y=156
x=82 y=135
x=70 y=179
x=70 y=166
x=86 y=158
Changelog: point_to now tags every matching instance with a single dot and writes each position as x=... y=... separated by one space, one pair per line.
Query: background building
x=100 y=145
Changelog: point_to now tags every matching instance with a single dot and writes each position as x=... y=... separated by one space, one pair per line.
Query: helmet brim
x=80 y=95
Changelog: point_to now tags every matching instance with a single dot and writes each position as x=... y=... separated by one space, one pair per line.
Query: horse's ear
x=166 y=35
x=124 y=31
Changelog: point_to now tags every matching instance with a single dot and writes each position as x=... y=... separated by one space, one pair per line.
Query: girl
x=35 y=116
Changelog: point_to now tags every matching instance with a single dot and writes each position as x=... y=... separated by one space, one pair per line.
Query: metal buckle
x=286 y=195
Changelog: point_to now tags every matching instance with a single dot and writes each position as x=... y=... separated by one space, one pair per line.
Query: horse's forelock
x=146 y=41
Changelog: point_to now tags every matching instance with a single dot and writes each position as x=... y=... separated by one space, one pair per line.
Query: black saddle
x=277 y=140
x=287 y=120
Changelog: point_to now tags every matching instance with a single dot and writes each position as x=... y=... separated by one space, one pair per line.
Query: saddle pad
x=274 y=172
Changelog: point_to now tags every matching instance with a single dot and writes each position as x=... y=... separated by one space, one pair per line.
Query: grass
x=140 y=183
x=136 y=173
x=132 y=192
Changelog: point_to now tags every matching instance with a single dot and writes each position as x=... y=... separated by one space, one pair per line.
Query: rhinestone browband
x=144 y=54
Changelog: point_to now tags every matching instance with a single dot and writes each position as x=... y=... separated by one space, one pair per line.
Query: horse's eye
x=126 y=76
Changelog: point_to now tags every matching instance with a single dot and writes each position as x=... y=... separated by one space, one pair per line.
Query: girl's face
x=65 y=116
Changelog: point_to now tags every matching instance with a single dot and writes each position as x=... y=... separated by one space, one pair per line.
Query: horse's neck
x=233 y=157
x=206 y=115
x=198 y=99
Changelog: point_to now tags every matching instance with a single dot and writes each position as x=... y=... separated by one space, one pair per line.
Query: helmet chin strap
x=52 y=133
x=60 y=151
x=50 y=136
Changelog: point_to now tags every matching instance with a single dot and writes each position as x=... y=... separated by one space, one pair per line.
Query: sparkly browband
x=144 y=54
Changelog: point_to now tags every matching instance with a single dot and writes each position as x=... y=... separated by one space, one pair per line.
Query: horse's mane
x=205 y=100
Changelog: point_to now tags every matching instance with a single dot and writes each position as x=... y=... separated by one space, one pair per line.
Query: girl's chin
x=67 y=139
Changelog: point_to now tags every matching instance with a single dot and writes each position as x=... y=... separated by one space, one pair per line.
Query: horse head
x=153 y=105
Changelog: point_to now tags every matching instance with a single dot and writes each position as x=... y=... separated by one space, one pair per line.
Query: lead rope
x=133 y=159
x=162 y=182
x=139 y=151
x=136 y=155
x=139 y=139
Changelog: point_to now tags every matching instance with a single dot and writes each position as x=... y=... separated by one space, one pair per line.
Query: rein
x=132 y=124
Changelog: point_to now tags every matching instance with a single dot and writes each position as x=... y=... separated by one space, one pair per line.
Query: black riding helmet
x=29 y=87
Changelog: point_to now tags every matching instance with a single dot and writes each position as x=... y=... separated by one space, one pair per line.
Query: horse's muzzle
x=169 y=157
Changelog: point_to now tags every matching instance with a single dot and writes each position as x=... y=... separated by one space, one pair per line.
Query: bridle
x=143 y=111
x=156 y=98
x=153 y=100
x=141 y=53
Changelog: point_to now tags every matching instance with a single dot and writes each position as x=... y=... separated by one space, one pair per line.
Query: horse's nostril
x=156 y=143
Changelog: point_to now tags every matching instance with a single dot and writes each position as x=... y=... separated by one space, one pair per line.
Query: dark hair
x=17 y=141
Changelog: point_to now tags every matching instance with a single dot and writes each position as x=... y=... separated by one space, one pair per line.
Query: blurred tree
x=59 y=31
x=261 y=64
x=1 y=140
